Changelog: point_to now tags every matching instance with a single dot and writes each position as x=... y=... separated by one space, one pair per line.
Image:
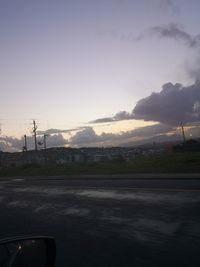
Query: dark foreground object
x=28 y=251
x=108 y=223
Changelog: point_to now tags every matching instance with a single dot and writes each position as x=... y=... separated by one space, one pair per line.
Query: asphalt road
x=108 y=220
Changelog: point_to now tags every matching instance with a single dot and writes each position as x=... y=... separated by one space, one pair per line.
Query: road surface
x=108 y=220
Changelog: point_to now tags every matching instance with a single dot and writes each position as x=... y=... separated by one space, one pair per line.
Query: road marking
x=112 y=188
x=163 y=189
x=17 y=180
x=137 y=189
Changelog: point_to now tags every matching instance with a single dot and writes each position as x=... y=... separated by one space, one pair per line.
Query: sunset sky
x=67 y=63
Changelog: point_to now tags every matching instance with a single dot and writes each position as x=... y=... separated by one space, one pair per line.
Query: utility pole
x=35 y=134
x=45 y=141
x=25 y=143
x=183 y=133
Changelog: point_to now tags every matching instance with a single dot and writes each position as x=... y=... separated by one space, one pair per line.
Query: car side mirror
x=33 y=251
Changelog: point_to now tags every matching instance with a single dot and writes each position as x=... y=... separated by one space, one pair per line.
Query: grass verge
x=166 y=163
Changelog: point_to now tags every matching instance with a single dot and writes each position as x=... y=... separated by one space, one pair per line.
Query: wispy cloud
x=174 y=31
x=171 y=31
x=57 y=131
x=168 y=5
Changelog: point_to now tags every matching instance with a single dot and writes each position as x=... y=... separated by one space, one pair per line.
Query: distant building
x=62 y=155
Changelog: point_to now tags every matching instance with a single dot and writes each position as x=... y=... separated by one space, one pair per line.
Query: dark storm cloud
x=172 y=31
x=174 y=105
x=122 y=115
x=103 y=120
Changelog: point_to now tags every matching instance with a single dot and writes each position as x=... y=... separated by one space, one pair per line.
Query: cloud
x=122 y=115
x=193 y=131
x=11 y=144
x=103 y=120
x=56 y=140
x=172 y=31
x=52 y=131
x=168 y=5
x=192 y=66
x=88 y=137
x=56 y=131
x=151 y=130
x=165 y=5
x=85 y=136
x=161 y=138
x=173 y=105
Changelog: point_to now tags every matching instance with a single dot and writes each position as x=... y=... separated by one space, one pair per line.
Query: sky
x=86 y=70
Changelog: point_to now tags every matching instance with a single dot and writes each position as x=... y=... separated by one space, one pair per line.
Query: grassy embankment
x=166 y=163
